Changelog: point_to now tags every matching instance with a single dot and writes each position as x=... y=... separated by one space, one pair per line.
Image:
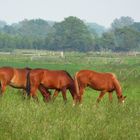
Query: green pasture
x=22 y=119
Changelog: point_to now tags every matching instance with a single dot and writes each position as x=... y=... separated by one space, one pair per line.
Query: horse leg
x=47 y=96
x=2 y=88
x=64 y=94
x=55 y=94
x=110 y=97
x=33 y=93
x=45 y=93
x=100 y=96
x=23 y=93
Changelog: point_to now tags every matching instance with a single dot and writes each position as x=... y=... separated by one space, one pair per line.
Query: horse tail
x=117 y=86
x=28 y=84
x=76 y=83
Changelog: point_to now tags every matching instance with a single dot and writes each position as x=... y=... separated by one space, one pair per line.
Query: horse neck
x=118 y=88
x=72 y=90
x=119 y=92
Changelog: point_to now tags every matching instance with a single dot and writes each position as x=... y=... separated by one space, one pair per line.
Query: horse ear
x=124 y=97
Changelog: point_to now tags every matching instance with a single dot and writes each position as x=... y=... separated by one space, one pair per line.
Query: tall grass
x=22 y=119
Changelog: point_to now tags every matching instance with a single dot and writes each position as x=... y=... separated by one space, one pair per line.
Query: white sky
x=102 y=12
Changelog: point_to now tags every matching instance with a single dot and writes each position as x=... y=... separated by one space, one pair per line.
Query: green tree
x=34 y=28
x=70 y=34
x=136 y=26
x=126 y=39
x=107 y=41
x=122 y=22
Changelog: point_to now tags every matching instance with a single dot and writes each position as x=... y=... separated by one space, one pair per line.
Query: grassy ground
x=27 y=120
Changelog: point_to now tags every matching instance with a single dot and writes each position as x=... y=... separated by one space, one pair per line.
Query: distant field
x=27 y=120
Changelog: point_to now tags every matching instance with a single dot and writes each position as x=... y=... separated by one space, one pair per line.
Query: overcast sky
x=102 y=12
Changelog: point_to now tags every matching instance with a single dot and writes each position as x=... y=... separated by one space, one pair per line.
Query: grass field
x=27 y=120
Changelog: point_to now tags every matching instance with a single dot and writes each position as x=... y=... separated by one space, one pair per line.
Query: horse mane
x=28 y=84
x=27 y=68
x=68 y=75
x=117 y=86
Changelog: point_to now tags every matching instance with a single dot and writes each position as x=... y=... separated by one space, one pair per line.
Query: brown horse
x=104 y=82
x=59 y=80
x=17 y=78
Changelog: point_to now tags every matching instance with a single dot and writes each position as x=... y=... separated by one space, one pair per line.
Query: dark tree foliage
x=126 y=39
x=122 y=22
x=136 y=26
x=72 y=34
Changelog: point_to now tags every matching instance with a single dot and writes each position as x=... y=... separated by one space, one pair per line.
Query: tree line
x=71 y=34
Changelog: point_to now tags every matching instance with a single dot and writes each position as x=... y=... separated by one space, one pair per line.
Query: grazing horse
x=51 y=79
x=17 y=78
x=104 y=82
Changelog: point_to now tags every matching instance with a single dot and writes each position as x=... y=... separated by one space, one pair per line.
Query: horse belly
x=55 y=84
x=102 y=86
x=50 y=84
x=98 y=85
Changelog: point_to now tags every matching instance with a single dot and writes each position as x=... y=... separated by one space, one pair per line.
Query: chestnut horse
x=17 y=78
x=52 y=79
x=104 y=82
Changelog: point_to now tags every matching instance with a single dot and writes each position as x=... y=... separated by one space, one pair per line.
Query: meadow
x=22 y=119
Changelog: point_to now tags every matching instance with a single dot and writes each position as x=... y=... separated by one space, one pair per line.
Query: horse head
x=121 y=99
